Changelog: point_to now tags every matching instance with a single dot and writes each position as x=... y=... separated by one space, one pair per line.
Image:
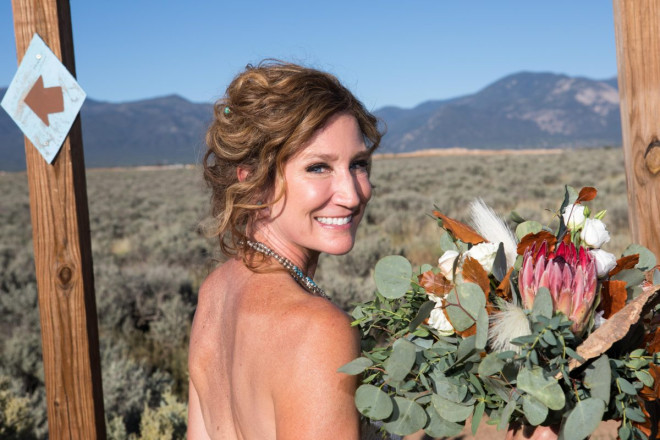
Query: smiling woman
x=288 y=162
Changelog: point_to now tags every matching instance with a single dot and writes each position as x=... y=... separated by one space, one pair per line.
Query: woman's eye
x=317 y=168
x=361 y=165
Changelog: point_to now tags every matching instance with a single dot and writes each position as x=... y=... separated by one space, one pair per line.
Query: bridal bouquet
x=536 y=327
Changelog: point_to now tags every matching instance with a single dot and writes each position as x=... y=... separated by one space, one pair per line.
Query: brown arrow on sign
x=44 y=101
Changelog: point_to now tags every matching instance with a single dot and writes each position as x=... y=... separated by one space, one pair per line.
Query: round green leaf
x=506 y=414
x=392 y=276
x=647 y=259
x=407 y=417
x=528 y=227
x=490 y=365
x=546 y=389
x=439 y=427
x=356 y=366
x=471 y=299
x=372 y=402
x=598 y=378
x=401 y=360
x=450 y=390
x=481 y=338
x=451 y=411
x=583 y=419
x=534 y=410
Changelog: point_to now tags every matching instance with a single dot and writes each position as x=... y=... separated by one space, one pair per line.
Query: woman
x=288 y=164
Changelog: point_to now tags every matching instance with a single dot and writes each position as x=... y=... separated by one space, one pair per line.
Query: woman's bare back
x=243 y=352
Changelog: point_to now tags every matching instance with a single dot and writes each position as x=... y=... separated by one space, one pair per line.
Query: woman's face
x=327 y=190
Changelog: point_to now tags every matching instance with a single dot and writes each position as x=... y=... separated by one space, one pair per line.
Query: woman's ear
x=242 y=173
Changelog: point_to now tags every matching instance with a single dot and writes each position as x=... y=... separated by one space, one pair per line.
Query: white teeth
x=334 y=220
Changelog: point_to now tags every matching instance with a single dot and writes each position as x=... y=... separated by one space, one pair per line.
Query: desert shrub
x=149 y=260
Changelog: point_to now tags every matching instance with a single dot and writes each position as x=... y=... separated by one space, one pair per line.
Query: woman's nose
x=348 y=191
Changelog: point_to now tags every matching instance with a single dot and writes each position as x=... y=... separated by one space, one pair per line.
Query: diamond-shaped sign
x=43 y=99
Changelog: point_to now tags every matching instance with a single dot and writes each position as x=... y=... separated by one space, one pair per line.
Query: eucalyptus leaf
x=656 y=277
x=425 y=268
x=356 y=366
x=644 y=377
x=626 y=386
x=582 y=420
x=647 y=259
x=528 y=227
x=490 y=365
x=546 y=389
x=439 y=427
x=407 y=417
x=481 y=338
x=423 y=313
x=451 y=411
x=446 y=243
x=401 y=360
x=515 y=217
x=542 y=303
x=463 y=305
x=506 y=414
x=477 y=416
x=598 y=378
x=500 y=264
x=392 y=275
x=372 y=402
x=450 y=390
x=535 y=411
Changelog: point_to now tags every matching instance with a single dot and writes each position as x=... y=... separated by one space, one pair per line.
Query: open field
x=150 y=258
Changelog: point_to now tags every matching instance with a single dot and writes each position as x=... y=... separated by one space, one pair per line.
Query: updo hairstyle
x=268 y=114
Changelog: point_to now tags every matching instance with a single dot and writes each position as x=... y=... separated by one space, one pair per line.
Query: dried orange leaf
x=614 y=328
x=624 y=263
x=459 y=230
x=537 y=239
x=654 y=344
x=474 y=272
x=434 y=283
x=504 y=289
x=614 y=296
x=652 y=393
x=586 y=194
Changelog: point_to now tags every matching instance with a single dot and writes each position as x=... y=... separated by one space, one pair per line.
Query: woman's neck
x=305 y=259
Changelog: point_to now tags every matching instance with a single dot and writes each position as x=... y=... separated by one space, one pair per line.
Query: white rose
x=605 y=261
x=573 y=216
x=484 y=253
x=446 y=264
x=594 y=233
x=438 y=320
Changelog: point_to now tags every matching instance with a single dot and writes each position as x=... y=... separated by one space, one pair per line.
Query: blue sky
x=389 y=53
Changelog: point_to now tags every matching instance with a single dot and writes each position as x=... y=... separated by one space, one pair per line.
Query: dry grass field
x=150 y=258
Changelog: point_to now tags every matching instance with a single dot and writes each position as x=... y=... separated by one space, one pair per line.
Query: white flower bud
x=446 y=264
x=605 y=261
x=438 y=320
x=484 y=253
x=593 y=233
x=574 y=216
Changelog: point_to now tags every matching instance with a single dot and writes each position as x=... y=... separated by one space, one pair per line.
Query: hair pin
x=227 y=110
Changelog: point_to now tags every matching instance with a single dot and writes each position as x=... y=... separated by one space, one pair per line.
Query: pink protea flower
x=569 y=274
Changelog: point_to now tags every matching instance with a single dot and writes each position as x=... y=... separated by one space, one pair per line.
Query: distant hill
x=166 y=130
x=523 y=110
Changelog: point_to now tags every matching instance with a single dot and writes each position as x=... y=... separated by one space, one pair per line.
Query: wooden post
x=62 y=251
x=637 y=26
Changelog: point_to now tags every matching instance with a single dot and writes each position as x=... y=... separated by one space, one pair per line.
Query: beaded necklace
x=294 y=270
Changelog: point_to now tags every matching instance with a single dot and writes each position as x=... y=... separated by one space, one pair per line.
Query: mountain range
x=522 y=110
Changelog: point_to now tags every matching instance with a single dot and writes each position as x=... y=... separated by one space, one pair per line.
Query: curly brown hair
x=268 y=114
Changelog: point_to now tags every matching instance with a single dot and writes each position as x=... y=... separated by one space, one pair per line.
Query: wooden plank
x=637 y=28
x=62 y=249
